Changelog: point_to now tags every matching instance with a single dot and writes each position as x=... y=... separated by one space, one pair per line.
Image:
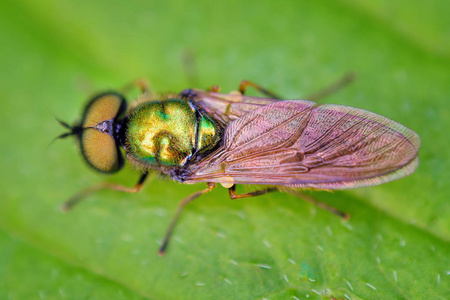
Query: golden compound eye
x=100 y=151
x=103 y=107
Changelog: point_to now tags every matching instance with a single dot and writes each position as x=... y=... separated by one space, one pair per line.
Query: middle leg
x=233 y=195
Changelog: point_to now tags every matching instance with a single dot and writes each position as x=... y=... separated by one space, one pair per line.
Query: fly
x=231 y=139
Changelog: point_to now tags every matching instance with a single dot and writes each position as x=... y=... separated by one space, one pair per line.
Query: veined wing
x=227 y=107
x=301 y=144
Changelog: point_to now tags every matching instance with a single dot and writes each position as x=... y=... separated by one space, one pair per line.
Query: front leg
x=69 y=204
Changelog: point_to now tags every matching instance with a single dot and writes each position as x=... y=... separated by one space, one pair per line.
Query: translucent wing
x=300 y=144
x=227 y=107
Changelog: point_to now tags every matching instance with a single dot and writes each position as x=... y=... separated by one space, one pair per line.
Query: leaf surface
x=55 y=54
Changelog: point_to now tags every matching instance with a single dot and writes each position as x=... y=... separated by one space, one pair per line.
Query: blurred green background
x=55 y=54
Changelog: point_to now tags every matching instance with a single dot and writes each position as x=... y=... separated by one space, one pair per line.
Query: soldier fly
x=229 y=139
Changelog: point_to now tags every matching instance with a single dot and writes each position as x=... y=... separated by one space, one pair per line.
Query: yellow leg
x=175 y=218
x=140 y=83
x=333 y=88
x=233 y=195
x=322 y=205
x=245 y=83
x=69 y=204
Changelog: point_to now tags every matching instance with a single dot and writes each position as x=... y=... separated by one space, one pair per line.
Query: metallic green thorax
x=168 y=133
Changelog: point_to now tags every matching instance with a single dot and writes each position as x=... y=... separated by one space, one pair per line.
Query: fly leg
x=214 y=88
x=175 y=218
x=322 y=205
x=189 y=67
x=140 y=83
x=333 y=88
x=331 y=209
x=245 y=83
x=190 y=93
x=69 y=204
x=233 y=195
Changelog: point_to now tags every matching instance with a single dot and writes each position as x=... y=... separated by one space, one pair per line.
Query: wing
x=227 y=107
x=301 y=144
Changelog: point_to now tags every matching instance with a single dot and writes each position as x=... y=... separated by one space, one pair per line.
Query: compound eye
x=102 y=108
x=101 y=151
x=98 y=145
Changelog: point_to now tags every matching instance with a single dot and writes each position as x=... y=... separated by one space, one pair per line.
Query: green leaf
x=27 y=273
x=55 y=54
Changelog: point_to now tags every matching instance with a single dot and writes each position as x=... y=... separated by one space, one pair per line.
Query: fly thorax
x=208 y=134
x=168 y=133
